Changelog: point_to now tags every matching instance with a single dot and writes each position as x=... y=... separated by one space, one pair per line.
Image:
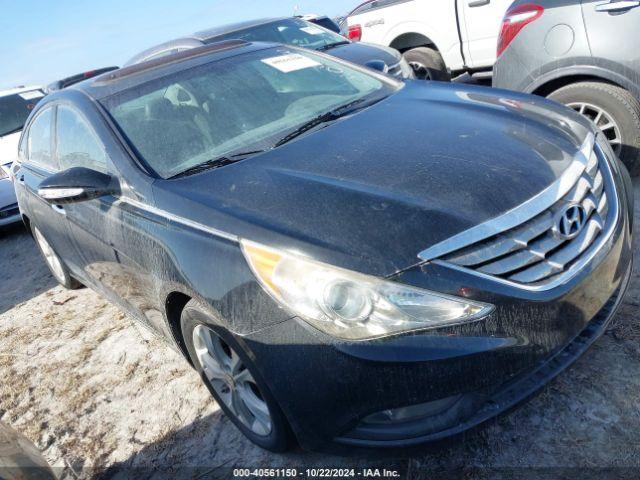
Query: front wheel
x=57 y=267
x=614 y=110
x=427 y=64
x=233 y=380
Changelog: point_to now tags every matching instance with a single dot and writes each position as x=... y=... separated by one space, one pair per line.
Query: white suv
x=435 y=36
x=15 y=106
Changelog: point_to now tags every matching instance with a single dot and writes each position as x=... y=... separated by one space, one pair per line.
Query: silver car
x=15 y=106
x=583 y=54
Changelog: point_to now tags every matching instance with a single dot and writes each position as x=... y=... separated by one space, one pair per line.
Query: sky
x=45 y=40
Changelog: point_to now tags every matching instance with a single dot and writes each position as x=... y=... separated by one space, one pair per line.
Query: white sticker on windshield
x=312 y=30
x=290 y=63
x=31 y=95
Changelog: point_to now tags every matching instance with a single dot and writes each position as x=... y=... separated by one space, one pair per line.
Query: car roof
x=133 y=75
x=77 y=78
x=202 y=37
x=182 y=43
x=210 y=33
x=21 y=89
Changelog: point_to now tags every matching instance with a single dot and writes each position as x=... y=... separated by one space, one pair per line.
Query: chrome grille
x=532 y=253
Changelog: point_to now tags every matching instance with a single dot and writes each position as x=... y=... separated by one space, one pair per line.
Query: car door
x=480 y=22
x=613 y=33
x=77 y=145
x=102 y=238
x=39 y=163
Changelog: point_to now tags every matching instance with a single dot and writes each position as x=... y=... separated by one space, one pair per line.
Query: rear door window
x=39 y=143
x=77 y=145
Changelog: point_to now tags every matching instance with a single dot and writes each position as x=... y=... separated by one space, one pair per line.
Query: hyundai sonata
x=346 y=259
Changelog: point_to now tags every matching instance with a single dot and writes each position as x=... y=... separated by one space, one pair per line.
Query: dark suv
x=290 y=31
x=583 y=54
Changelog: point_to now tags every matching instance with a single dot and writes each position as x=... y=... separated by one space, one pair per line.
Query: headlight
x=351 y=305
x=407 y=71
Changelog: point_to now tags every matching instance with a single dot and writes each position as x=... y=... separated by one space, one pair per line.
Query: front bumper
x=9 y=211
x=326 y=387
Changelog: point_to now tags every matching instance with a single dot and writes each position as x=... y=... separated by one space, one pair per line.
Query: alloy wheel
x=603 y=120
x=421 y=72
x=232 y=380
x=52 y=259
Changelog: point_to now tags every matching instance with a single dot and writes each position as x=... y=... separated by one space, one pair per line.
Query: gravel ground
x=101 y=397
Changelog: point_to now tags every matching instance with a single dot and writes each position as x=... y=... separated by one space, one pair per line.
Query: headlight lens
x=351 y=305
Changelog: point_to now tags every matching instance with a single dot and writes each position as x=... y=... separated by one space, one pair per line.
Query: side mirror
x=378 y=65
x=76 y=185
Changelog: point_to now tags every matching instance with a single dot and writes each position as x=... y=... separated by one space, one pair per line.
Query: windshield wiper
x=320 y=119
x=216 y=162
x=329 y=46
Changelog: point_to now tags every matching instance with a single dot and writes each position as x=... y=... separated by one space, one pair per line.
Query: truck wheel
x=427 y=64
x=614 y=110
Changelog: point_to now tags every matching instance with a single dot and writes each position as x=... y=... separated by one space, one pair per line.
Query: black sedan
x=296 y=32
x=346 y=259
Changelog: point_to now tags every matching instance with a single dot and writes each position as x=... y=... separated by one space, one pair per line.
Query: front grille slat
x=536 y=273
x=603 y=207
x=534 y=252
x=545 y=244
x=579 y=244
x=511 y=262
x=592 y=166
x=582 y=188
x=516 y=240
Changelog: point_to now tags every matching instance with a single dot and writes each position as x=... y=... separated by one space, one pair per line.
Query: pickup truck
x=437 y=37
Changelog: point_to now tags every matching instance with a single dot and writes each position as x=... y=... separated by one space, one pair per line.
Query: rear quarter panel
x=557 y=39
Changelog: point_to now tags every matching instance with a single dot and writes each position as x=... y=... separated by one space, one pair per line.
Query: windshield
x=293 y=31
x=246 y=103
x=14 y=110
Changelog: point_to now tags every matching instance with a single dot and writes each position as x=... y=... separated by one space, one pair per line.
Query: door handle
x=479 y=3
x=21 y=179
x=617 y=6
x=59 y=209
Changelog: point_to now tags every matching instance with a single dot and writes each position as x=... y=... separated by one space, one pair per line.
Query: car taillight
x=514 y=21
x=355 y=33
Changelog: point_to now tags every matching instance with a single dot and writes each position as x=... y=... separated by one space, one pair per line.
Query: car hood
x=9 y=148
x=361 y=53
x=372 y=190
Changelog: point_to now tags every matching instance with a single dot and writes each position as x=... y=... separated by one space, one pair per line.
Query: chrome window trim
x=583 y=260
x=523 y=212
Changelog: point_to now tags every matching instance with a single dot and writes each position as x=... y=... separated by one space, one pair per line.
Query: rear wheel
x=427 y=64
x=614 y=110
x=57 y=267
x=233 y=380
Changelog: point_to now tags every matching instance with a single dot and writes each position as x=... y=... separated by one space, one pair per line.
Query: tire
x=56 y=266
x=196 y=323
x=616 y=103
x=427 y=64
